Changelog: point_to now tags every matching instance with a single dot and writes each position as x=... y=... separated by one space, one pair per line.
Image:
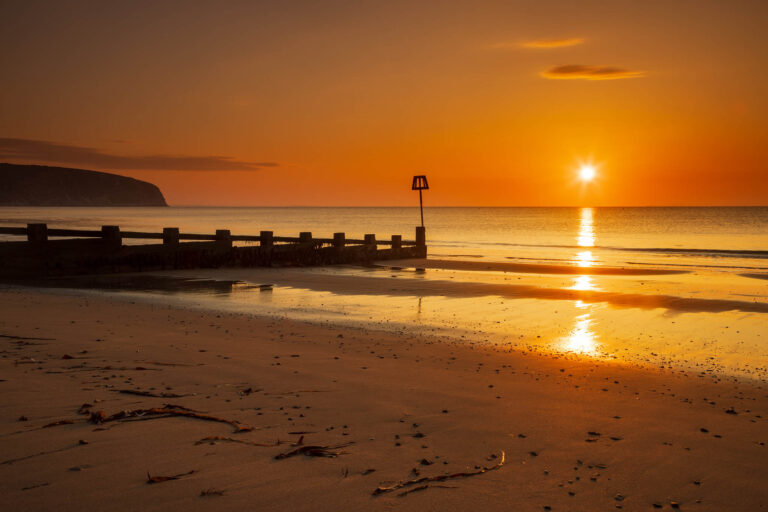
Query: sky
x=321 y=102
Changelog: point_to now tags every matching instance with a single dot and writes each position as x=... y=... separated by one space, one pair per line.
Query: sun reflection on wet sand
x=583 y=283
x=582 y=338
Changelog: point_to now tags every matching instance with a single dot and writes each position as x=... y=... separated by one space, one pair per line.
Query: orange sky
x=340 y=103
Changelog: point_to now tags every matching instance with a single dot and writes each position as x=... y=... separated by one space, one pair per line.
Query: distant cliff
x=38 y=185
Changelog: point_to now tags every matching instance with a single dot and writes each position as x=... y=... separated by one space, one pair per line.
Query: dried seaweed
x=315 y=451
x=211 y=492
x=214 y=439
x=159 y=479
x=57 y=423
x=167 y=410
x=147 y=393
x=278 y=393
x=12 y=337
x=381 y=489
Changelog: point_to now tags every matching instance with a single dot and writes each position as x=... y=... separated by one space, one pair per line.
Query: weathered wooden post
x=37 y=232
x=305 y=237
x=223 y=238
x=111 y=235
x=397 y=241
x=266 y=238
x=339 y=240
x=370 y=239
x=170 y=236
x=421 y=236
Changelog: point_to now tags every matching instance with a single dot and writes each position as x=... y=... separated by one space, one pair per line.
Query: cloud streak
x=539 y=43
x=582 y=72
x=51 y=152
x=553 y=43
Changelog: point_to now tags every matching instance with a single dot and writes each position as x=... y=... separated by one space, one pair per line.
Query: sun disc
x=587 y=173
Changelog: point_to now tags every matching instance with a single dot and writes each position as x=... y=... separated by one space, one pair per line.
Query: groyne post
x=266 y=239
x=397 y=241
x=369 y=244
x=111 y=235
x=421 y=236
x=170 y=236
x=305 y=237
x=339 y=240
x=223 y=238
x=37 y=232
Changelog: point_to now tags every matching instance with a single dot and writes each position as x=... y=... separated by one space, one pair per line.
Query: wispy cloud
x=553 y=43
x=581 y=72
x=538 y=43
x=51 y=152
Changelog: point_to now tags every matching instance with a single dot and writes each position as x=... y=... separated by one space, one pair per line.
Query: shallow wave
x=534 y=268
x=730 y=253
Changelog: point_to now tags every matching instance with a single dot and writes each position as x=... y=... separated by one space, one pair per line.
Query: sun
x=587 y=172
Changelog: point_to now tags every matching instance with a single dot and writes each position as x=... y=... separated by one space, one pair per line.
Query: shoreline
x=576 y=433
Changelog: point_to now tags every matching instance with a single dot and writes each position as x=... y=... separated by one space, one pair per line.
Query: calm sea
x=670 y=287
x=616 y=236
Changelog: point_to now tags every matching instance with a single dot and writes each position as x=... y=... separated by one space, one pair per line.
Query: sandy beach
x=383 y=408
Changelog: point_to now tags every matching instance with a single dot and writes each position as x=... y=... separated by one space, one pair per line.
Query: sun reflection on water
x=582 y=339
x=585 y=259
x=586 y=236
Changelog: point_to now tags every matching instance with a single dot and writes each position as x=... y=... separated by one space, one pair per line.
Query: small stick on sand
x=439 y=478
x=425 y=487
x=159 y=479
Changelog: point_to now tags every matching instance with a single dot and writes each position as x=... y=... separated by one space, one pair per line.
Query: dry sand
x=576 y=434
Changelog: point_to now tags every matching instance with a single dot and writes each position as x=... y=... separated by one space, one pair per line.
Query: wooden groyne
x=49 y=251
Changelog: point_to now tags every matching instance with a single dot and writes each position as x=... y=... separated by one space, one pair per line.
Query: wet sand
x=576 y=434
x=538 y=268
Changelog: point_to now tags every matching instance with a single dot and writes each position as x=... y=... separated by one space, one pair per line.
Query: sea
x=674 y=288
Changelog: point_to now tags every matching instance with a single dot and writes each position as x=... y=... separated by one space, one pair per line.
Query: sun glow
x=587 y=172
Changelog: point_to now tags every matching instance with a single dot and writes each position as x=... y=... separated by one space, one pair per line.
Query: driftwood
x=166 y=411
x=159 y=479
x=315 y=451
x=381 y=489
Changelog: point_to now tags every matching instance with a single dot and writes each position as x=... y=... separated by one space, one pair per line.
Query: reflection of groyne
x=75 y=251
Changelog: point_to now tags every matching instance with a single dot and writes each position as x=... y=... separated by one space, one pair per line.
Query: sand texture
x=102 y=399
